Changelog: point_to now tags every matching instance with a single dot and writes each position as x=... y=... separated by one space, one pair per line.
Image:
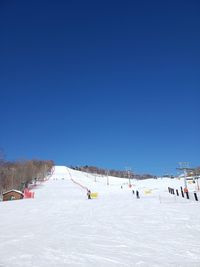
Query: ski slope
x=61 y=227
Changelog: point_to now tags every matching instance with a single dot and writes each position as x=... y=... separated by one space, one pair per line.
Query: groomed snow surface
x=61 y=227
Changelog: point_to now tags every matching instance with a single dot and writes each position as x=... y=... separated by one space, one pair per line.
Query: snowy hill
x=61 y=227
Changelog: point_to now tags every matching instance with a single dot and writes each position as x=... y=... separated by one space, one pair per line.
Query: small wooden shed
x=12 y=195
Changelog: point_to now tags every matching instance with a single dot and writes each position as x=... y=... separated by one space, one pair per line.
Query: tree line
x=111 y=172
x=19 y=174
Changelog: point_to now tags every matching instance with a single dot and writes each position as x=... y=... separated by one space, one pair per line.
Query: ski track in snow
x=61 y=227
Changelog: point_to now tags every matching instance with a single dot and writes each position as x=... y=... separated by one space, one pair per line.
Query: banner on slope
x=94 y=195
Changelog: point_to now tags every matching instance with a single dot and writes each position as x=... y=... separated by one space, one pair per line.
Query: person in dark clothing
x=133 y=192
x=137 y=194
x=89 y=194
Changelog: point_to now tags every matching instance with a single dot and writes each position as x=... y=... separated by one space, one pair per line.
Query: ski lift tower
x=196 y=176
x=184 y=166
x=107 y=176
x=128 y=169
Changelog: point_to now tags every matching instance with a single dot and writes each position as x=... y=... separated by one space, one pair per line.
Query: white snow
x=61 y=227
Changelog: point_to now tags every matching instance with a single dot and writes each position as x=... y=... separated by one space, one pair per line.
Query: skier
x=137 y=194
x=89 y=194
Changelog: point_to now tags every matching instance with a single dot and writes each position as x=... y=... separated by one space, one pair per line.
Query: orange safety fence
x=28 y=193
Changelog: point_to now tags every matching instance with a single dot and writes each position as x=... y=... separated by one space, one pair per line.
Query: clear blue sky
x=106 y=83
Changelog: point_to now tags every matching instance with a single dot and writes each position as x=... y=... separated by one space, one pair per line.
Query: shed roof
x=13 y=190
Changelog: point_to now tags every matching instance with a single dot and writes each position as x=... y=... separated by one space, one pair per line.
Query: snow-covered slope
x=60 y=172
x=61 y=227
